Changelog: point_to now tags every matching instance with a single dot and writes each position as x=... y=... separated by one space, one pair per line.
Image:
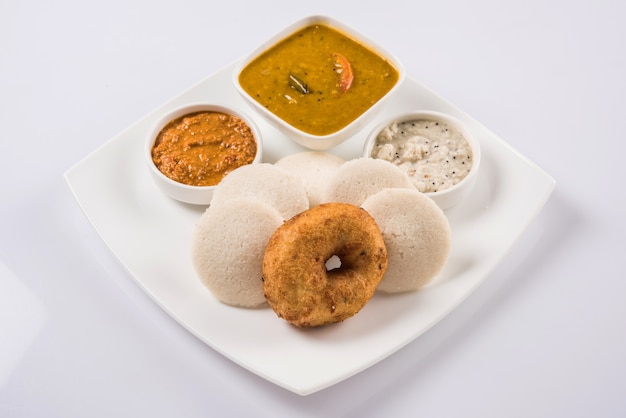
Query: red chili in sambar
x=318 y=79
x=200 y=148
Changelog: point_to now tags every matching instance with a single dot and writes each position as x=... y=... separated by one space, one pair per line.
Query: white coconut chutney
x=435 y=155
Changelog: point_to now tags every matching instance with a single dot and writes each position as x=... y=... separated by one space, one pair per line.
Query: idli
x=360 y=178
x=266 y=182
x=315 y=169
x=416 y=233
x=228 y=245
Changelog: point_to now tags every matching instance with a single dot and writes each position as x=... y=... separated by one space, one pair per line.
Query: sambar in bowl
x=318 y=81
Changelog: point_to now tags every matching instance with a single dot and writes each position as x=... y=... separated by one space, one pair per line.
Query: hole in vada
x=333 y=263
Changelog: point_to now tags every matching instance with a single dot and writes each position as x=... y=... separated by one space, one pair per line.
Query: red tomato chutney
x=200 y=148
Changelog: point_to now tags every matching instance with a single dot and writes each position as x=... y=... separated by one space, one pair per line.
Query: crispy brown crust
x=296 y=283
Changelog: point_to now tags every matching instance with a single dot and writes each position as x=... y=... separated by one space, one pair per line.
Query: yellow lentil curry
x=200 y=148
x=318 y=79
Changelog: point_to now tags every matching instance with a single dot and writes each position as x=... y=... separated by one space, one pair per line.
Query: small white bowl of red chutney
x=190 y=149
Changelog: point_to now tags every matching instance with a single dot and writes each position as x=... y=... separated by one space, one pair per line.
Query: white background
x=545 y=336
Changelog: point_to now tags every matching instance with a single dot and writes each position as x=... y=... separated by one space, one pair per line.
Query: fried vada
x=298 y=285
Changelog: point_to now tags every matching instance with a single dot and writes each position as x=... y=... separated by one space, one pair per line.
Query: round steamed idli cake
x=267 y=183
x=314 y=168
x=360 y=178
x=417 y=236
x=228 y=245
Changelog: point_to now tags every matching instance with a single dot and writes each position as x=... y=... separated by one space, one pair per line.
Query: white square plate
x=150 y=234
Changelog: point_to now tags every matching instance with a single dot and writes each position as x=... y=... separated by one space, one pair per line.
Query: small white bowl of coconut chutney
x=437 y=151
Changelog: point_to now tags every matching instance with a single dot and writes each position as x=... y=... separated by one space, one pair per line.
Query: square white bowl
x=319 y=142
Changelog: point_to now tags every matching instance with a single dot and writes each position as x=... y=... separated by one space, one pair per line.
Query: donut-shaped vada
x=298 y=285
